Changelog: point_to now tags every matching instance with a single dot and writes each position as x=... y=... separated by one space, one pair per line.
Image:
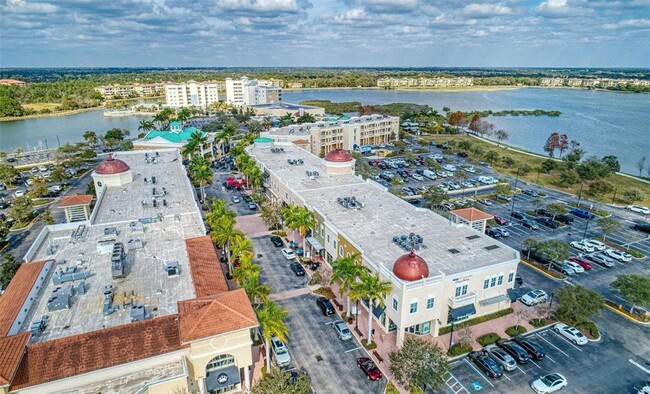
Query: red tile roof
x=205 y=267
x=301 y=142
x=472 y=214
x=79 y=199
x=17 y=292
x=215 y=315
x=11 y=352
x=74 y=355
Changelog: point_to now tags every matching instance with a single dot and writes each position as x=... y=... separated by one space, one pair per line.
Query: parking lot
x=217 y=189
x=275 y=268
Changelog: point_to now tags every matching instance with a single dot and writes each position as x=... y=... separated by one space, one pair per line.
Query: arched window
x=221 y=361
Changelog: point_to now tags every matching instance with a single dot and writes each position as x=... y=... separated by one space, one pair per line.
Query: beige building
x=424 y=82
x=246 y=92
x=192 y=93
x=440 y=271
x=124 y=91
x=132 y=300
x=281 y=109
x=321 y=137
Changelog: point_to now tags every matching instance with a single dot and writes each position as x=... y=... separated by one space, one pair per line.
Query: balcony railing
x=455 y=302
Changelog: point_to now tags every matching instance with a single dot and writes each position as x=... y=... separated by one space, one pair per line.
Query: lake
x=605 y=123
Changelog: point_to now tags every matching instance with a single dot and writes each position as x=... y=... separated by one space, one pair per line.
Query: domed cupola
x=411 y=267
x=339 y=161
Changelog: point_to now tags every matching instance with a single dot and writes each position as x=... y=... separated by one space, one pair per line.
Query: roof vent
x=491 y=247
x=350 y=202
x=473 y=237
x=453 y=251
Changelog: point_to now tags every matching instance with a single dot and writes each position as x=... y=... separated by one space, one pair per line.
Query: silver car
x=342 y=330
x=280 y=352
x=601 y=259
x=501 y=357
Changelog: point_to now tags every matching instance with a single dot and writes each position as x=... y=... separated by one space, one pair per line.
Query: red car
x=582 y=262
x=369 y=368
x=500 y=221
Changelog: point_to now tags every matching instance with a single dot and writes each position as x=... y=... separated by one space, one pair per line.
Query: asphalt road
x=275 y=268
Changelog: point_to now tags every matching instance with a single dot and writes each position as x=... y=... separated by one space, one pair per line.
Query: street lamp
x=451 y=335
x=514 y=195
x=584 y=235
x=356 y=317
x=580 y=193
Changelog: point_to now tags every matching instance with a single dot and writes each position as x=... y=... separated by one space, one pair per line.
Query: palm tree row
x=298 y=218
x=200 y=172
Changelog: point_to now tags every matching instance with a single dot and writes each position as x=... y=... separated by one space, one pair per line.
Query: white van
x=429 y=174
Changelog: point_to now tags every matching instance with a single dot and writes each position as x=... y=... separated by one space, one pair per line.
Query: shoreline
x=54 y=114
x=416 y=89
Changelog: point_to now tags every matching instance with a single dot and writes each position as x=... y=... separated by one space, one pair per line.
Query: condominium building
x=138 y=90
x=441 y=272
x=191 y=93
x=347 y=133
x=244 y=91
x=131 y=300
x=424 y=82
x=591 y=83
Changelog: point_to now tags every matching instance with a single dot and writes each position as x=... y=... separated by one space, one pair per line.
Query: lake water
x=603 y=122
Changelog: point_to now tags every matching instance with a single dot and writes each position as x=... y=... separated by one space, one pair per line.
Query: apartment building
x=591 y=83
x=138 y=90
x=244 y=91
x=191 y=93
x=347 y=133
x=441 y=272
x=424 y=82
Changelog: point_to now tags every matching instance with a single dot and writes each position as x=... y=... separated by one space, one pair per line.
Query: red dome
x=111 y=166
x=339 y=155
x=411 y=267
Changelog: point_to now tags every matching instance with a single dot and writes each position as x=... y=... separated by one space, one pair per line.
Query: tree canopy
x=280 y=381
x=634 y=288
x=578 y=304
x=419 y=363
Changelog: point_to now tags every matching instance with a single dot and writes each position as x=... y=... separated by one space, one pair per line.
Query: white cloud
x=485 y=10
x=560 y=8
x=259 y=5
x=24 y=7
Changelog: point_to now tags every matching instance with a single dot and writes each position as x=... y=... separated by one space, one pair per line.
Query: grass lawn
x=41 y=106
x=620 y=183
x=41 y=201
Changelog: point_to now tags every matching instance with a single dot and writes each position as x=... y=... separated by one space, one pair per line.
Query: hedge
x=478 y=320
x=516 y=330
x=590 y=329
x=459 y=349
x=488 y=339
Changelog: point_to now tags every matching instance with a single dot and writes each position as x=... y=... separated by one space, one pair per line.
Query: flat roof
x=307 y=128
x=283 y=105
x=162 y=237
x=448 y=248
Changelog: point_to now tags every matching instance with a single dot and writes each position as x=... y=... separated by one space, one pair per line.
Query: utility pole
x=514 y=195
x=580 y=193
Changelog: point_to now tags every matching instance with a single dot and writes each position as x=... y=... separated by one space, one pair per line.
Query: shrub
x=488 y=339
x=537 y=323
x=316 y=278
x=325 y=292
x=478 y=320
x=636 y=253
x=373 y=345
x=459 y=349
x=391 y=389
x=590 y=329
x=516 y=330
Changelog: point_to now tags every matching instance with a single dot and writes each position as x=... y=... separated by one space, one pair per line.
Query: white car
x=280 y=352
x=571 y=333
x=618 y=255
x=534 y=297
x=582 y=245
x=288 y=253
x=577 y=268
x=549 y=383
x=449 y=167
x=638 y=209
x=19 y=193
x=599 y=246
x=418 y=177
x=471 y=170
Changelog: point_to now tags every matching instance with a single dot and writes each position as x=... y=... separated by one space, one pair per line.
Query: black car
x=518 y=215
x=512 y=348
x=486 y=364
x=564 y=218
x=531 y=193
x=297 y=269
x=461 y=154
x=543 y=212
x=644 y=227
x=325 y=306
x=529 y=224
x=277 y=242
x=493 y=233
x=536 y=351
x=11 y=160
x=4 y=204
x=548 y=222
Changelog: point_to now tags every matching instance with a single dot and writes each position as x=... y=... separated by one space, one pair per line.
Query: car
x=560 y=266
x=417 y=177
x=534 y=297
x=547 y=222
x=55 y=188
x=504 y=197
x=549 y=383
x=4 y=204
x=246 y=198
x=492 y=232
x=503 y=231
x=571 y=333
x=520 y=355
x=369 y=368
x=485 y=201
x=581 y=213
x=486 y=364
x=643 y=227
x=618 y=255
x=645 y=389
x=531 y=193
x=288 y=253
x=42 y=168
x=518 y=215
x=501 y=357
x=576 y=267
x=277 y=241
x=19 y=193
x=533 y=348
x=564 y=218
x=583 y=246
x=280 y=352
x=582 y=262
x=448 y=206
x=235 y=199
x=252 y=206
x=543 y=212
x=529 y=224
x=325 y=306
x=638 y=209
x=601 y=259
x=33 y=170
x=342 y=330
x=597 y=245
x=11 y=160
x=297 y=269
x=500 y=221
x=470 y=169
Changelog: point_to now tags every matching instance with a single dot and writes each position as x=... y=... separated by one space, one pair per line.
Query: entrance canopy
x=315 y=244
x=493 y=300
x=222 y=378
x=462 y=312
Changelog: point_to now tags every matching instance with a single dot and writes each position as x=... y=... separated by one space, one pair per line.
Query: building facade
x=191 y=93
x=324 y=136
x=424 y=82
x=135 y=90
x=244 y=91
x=439 y=271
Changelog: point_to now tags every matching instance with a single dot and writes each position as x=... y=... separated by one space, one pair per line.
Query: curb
x=541 y=271
x=27 y=227
x=618 y=312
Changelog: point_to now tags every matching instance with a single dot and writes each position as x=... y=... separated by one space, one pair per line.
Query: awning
x=222 y=378
x=493 y=300
x=378 y=310
x=315 y=244
x=513 y=294
x=462 y=312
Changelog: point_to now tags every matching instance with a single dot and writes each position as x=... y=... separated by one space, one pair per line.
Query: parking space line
x=457 y=382
x=521 y=370
x=549 y=357
x=537 y=365
x=567 y=341
x=506 y=375
x=478 y=372
x=646 y=370
x=351 y=350
x=547 y=341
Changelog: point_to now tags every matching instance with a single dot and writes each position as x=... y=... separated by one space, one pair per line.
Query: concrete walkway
x=289 y=294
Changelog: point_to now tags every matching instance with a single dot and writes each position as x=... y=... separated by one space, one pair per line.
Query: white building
x=191 y=93
x=240 y=92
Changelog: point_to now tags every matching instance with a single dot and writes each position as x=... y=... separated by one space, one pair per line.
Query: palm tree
x=240 y=246
x=146 y=125
x=223 y=233
x=267 y=122
x=255 y=128
x=217 y=210
x=256 y=177
x=289 y=213
x=347 y=271
x=224 y=137
x=370 y=288
x=246 y=269
x=302 y=220
x=90 y=137
x=271 y=323
x=258 y=294
x=183 y=115
x=196 y=142
x=200 y=173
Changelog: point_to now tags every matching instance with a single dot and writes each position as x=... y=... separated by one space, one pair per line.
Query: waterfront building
x=127 y=91
x=441 y=272
x=424 y=82
x=192 y=93
x=9 y=82
x=175 y=136
x=346 y=133
x=245 y=92
x=280 y=109
x=131 y=300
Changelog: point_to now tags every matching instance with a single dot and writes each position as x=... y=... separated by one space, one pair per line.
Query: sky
x=312 y=33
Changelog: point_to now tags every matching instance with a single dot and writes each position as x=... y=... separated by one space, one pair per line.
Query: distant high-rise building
x=240 y=92
x=199 y=94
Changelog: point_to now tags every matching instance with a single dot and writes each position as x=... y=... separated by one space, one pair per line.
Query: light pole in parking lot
x=514 y=194
x=584 y=235
x=580 y=193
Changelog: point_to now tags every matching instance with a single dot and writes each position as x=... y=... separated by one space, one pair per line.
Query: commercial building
x=348 y=133
x=192 y=93
x=280 y=109
x=135 y=90
x=176 y=136
x=132 y=300
x=439 y=271
x=244 y=92
x=424 y=82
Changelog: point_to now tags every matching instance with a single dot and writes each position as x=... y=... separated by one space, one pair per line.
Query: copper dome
x=339 y=155
x=111 y=166
x=411 y=267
